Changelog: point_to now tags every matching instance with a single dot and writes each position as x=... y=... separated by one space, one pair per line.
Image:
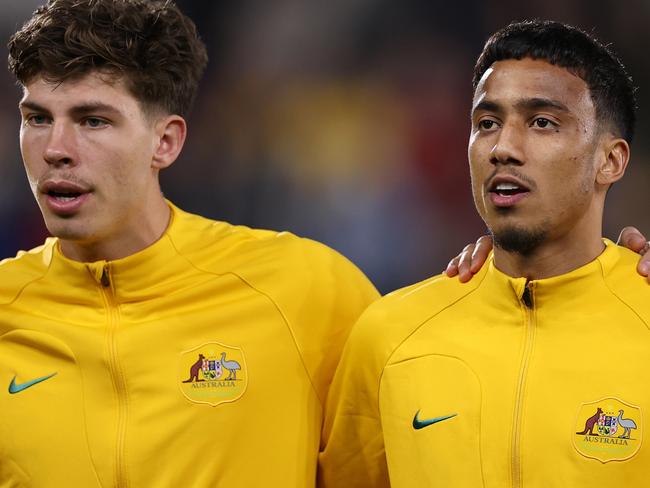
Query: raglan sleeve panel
x=328 y=295
x=352 y=445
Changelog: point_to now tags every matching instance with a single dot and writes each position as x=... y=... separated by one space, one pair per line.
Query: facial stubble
x=520 y=240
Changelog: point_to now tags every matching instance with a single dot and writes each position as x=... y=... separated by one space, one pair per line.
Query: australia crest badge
x=608 y=429
x=213 y=373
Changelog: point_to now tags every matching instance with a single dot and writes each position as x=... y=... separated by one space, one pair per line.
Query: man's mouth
x=64 y=196
x=506 y=191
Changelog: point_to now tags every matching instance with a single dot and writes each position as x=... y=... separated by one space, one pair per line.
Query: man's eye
x=542 y=123
x=486 y=124
x=95 y=122
x=37 y=120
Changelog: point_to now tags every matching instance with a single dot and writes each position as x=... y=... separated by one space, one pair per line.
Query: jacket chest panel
x=118 y=390
x=43 y=423
x=582 y=403
x=586 y=406
x=431 y=414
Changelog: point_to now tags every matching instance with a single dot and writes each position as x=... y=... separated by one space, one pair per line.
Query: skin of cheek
x=477 y=175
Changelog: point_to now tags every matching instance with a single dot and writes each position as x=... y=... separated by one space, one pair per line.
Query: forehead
x=91 y=88
x=509 y=81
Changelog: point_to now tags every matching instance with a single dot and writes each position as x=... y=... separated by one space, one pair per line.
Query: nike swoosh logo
x=18 y=387
x=420 y=424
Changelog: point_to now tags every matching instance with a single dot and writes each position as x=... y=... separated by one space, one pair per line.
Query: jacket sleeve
x=324 y=304
x=320 y=294
x=352 y=444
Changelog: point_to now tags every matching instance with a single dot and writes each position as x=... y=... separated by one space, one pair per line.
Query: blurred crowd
x=345 y=121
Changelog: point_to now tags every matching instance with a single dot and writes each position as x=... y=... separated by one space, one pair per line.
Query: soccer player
x=143 y=346
x=534 y=373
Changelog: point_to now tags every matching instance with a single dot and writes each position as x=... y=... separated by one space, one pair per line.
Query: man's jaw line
x=545 y=256
x=93 y=248
x=134 y=236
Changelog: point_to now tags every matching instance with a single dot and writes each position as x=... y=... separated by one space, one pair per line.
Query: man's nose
x=58 y=148
x=508 y=148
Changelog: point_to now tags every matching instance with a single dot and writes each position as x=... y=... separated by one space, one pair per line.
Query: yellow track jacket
x=202 y=361
x=497 y=383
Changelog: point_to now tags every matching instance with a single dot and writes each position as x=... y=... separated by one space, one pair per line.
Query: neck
x=553 y=257
x=139 y=233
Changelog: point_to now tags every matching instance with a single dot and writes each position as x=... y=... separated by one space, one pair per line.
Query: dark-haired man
x=535 y=372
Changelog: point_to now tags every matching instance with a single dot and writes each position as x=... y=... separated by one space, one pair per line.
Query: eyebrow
x=32 y=106
x=540 y=103
x=535 y=103
x=78 y=110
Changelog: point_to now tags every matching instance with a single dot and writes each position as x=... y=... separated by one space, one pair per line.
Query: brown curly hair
x=149 y=44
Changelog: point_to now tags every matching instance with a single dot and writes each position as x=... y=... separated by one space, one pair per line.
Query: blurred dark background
x=345 y=121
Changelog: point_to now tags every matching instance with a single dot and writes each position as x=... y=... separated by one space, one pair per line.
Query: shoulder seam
x=19 y=292
x=270 y=299
x=641 y=319
x=398 y=345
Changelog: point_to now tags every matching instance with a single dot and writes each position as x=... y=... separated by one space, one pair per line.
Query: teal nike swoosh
x=419 y=424
x=18 y=387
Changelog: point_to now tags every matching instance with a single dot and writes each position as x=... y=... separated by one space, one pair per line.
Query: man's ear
x=170 y=137
x=612 y=167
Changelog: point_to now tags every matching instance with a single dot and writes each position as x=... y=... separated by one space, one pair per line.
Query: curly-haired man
x=142 y=345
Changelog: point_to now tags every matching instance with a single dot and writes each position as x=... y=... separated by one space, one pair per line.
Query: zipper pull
x=527 y=296
x=105 y=280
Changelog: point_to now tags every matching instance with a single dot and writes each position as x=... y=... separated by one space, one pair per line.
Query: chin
x=67 y=230
x=518 y=239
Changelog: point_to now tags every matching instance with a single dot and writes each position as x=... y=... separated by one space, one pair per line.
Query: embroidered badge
x=213 y=373
x=608 y=430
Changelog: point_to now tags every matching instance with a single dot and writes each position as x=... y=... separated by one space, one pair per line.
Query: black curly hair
x=611 y=88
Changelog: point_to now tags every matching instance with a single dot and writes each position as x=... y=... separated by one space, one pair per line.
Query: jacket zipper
x=117 y=376
x=528 y=300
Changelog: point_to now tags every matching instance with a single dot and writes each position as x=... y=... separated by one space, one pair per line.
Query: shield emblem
x=608 y=429
x=607 y=425
x=212 y=369
x=213 y=373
